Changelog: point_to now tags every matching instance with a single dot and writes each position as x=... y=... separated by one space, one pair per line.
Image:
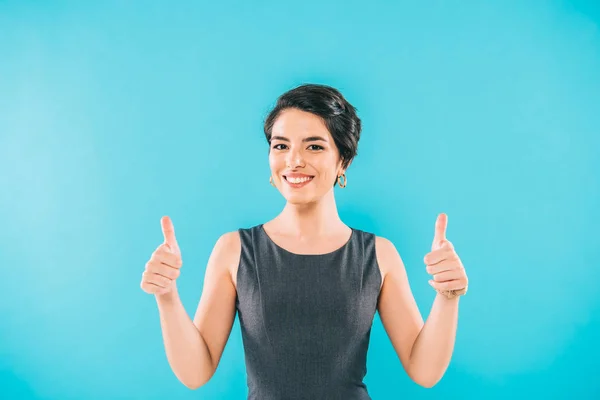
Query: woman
x=305 y=285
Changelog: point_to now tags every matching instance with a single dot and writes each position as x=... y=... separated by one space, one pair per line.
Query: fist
x=444 y=264
x=164 y=265
x=446 y=268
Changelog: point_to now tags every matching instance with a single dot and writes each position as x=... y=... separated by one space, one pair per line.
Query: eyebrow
x=308 y=139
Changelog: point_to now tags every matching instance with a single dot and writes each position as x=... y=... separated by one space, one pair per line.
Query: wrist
x=452 y=294
x=446 y=298
x=169 y=297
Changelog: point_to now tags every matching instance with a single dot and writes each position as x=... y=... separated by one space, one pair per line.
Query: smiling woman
x=313 y=141
x=305 y=285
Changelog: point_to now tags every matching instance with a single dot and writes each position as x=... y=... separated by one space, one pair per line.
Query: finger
x=456 y=284
x=156 y=279
x=440 y=231
x=447 y=275
x=151 y=288
x=164 y=270
x=446 y=265
x=437 y=256
x=169 y=232
x=167 y=258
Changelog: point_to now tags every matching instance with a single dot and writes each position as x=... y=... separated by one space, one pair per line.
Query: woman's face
x=303 y=157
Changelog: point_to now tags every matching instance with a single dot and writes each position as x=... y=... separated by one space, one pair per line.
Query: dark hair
x=337 y=113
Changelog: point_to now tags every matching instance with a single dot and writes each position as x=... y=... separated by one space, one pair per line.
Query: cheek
x=327 y=173
x=274 y=162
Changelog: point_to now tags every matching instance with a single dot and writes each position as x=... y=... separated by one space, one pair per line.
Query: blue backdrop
x=113 y=114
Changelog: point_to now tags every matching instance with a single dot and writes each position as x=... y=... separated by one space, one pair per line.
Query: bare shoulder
x=384 y=245
x=389 y=259
x=227 y=252
x=229 y=241
x=387 y=254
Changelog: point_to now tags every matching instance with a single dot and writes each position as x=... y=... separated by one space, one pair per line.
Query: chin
x=300 y=199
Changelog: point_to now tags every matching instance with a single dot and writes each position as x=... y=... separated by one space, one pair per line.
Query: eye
x=316 y=147
x=278 y=146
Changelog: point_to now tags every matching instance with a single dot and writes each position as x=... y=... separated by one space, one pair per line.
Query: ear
x=341 y=169
x=348 y=166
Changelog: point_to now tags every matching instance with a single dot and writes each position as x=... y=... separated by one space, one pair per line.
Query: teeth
x=298 y=180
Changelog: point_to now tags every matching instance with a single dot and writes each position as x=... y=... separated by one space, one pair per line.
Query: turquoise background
x=115 y=113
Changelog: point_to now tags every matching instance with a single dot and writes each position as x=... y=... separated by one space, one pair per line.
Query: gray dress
x=306 y=319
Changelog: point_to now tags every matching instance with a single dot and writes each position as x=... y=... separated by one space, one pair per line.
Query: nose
x=294 y=159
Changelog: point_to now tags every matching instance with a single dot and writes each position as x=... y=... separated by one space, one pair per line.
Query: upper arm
x=397 y=308
x=216 y=309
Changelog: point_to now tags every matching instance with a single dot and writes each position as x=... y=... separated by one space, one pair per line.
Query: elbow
x=427 y=384
x=196 y=377
x=425 y=380
x=196 y=382
x=193 y=385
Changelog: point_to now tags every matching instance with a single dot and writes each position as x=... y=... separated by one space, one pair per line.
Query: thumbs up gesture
x=449 y=276
x=164 y=265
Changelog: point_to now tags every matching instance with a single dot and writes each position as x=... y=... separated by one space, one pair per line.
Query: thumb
x=440 y=231
x=169 y=233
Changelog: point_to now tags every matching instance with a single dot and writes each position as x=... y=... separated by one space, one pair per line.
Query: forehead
x=297 y=123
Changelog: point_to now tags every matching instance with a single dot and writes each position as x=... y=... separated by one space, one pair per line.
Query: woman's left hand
x=443 y=262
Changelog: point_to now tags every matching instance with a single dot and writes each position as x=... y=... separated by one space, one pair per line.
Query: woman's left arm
x=425 y=349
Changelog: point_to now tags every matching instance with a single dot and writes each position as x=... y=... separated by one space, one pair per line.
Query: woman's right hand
x=164 y=265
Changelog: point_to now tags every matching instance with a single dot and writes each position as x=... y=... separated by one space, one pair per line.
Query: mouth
x=298 y=182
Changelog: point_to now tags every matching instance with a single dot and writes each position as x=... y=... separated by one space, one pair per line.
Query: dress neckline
x=262 y=228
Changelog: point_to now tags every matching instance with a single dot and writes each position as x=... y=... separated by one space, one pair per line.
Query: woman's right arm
x=194 y=348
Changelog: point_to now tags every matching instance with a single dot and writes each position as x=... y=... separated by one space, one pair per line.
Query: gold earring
x=339 y=180
x=271 y=181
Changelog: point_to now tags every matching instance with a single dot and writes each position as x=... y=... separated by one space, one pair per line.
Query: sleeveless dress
x=306 y=319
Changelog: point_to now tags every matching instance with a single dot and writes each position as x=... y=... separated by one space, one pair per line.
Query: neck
x=311 y=219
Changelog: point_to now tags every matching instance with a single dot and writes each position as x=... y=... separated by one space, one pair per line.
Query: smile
x=298 y=182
